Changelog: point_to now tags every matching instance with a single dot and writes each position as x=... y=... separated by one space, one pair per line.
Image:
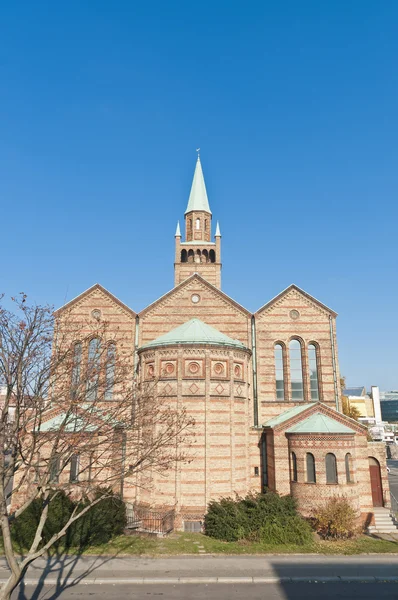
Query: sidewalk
x=73 y=570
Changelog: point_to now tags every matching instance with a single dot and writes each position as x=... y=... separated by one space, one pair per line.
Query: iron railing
x=394 y=507
x=150 y=521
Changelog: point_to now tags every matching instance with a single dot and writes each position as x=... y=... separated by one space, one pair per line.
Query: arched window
x=348 y=468
x=205 y=255
x=197 y=223
x=77 y=360
x=313 y=366
x=93 y=368
x=190 y=256
x=311 y=474
x=296 y=371
x=55 y=468
x=279 y=372
x=294 y=466
x=184 y=256
x=74 y=468
x=198 y=255
x=212 y=256
x=110 y=371
x=331 y=468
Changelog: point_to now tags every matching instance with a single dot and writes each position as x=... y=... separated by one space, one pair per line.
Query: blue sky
x=294 y=105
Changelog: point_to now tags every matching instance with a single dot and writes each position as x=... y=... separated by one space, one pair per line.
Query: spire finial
x=218 y=232
x=178 y=231
x=198 y=151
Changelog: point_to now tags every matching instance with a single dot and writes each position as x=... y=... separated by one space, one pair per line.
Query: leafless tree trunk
x=72 y=416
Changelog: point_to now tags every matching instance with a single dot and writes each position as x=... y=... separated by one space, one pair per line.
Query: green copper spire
x=198 y=197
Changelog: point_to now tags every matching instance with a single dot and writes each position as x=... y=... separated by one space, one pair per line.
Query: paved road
x=301 y=591
x=87 y=569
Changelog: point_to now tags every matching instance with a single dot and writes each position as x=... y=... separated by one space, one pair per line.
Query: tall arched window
x=311 y=474
x=77 y=360
x=74 y=468
x=279 y=372
x=294 y=466
x=184 y=256
x=197 y=223
x=212 y=256
x=190 y=256
x=296 y=371
x=348 y=468
x=110 y=371
x=93 y=368
x=331 y=468
x=313 y=366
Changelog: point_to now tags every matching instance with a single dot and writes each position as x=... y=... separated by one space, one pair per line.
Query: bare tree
x=72 y=417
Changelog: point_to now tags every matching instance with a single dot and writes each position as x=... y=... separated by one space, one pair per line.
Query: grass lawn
x=190 y=543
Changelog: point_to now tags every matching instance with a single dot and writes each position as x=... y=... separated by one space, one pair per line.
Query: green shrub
x=267 y=518
x=24 y=527
x=336 y=519
x=102 y=522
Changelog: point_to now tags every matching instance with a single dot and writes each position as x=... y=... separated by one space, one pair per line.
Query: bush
x=336 y=519
x=267 y=518
x=24 y=527
x=102 y=522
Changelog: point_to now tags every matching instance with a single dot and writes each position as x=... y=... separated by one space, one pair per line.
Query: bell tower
x=198 y=253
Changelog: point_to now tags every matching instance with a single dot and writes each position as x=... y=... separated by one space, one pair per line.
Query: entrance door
x=375 y=482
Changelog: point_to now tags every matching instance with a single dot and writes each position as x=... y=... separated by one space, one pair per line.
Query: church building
x=263 y=387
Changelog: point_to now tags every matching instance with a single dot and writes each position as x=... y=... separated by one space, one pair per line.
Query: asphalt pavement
x=73 y=570
x=287 y=591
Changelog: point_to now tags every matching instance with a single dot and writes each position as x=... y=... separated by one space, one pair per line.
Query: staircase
x=384 y=522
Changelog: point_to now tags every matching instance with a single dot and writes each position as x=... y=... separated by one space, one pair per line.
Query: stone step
x=372 y=529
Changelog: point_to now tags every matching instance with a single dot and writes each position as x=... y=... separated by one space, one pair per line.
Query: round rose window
x=194 y=368
x=169 y=368
x=219 y=368
x=237 y=371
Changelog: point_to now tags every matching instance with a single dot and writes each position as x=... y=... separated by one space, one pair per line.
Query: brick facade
x=232 y=453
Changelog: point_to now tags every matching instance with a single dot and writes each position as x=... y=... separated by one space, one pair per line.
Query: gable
x=295 y=297
x=313 y=416
x=178 y=306
x=96 y=294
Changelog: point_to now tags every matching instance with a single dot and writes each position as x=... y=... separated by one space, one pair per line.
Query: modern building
x=262 y=387
x=389 y=406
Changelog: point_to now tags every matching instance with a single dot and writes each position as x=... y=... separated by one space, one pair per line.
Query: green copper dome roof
x=195 y=332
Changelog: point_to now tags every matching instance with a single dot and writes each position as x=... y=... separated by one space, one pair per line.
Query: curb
x=210 y=580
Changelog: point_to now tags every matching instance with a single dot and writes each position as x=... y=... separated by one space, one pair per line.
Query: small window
x=256 y=471
x=279 y=372
x=331 y=468
x=54 y=469
x=74 y=469
x=313 y=367
x=193 y=526
x=296 y=371
x=348 y=468
x=294 y=466
x=197 y=223
x=311 y=474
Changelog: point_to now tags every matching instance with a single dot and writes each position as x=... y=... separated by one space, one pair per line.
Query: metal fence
x=150 y=521
x=394 y=507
